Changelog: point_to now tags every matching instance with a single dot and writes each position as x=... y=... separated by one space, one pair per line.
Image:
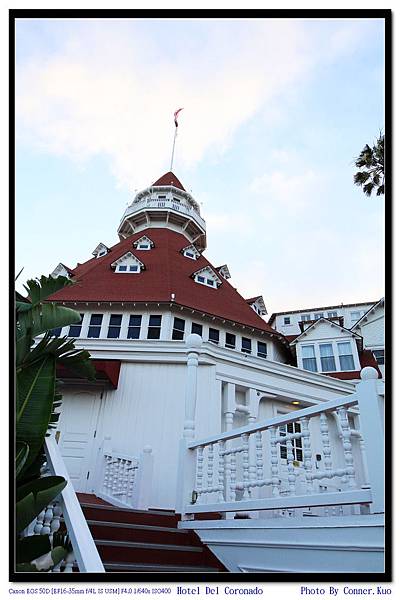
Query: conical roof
x=169 y=179
x=166 y=272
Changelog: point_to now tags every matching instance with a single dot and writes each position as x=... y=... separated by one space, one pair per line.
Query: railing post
x=371 y=425
x=144 y=479
x=187 y=458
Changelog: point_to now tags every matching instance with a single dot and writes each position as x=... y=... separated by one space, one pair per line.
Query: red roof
x=169 y=179
x=167 y=272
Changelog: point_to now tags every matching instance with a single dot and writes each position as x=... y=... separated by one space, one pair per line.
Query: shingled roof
x=169 y=179
x=166 y=272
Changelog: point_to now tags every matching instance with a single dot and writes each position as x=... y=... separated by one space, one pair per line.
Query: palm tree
x=371 y=161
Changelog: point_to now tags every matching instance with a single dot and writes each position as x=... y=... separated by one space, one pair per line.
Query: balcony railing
x=155 y=204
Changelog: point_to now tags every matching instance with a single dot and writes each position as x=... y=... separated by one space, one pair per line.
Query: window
x=297 y=447
x=154 y=330
x=205 y=281
x=246 y=345
x=114 y=326
x=102 y=253
x=56 y=332
x=135 y=322
x=197 y=328
x=189 y=254
x=327 y=358
x=262 y=349
x=332 y=313
x=178 y=330
x=230 y=340
x=308 y=357
x=305 y=317
x=162 y=197
x=144 y=246
x=122 y=268
x=354 y=316
x=286 y=320
x=213 y=335
x=75 y=330
x=318 y=315
x=126 y=268
x=200 y=279
x=379 y=356
x=95 y=326
x=346 y=356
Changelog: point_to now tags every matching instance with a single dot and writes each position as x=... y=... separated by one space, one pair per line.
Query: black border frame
x=78 y=578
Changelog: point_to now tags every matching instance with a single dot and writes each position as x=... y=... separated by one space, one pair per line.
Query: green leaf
x=40 y=289
x=21 y=456
x=34 y=496
x=29 y=548
x=25 y=568
x=36 y=388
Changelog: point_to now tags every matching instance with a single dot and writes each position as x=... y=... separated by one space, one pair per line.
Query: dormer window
x=128 y=263
x=207 y=277
x=191 y=252
x=143 y=243
x=100 y=250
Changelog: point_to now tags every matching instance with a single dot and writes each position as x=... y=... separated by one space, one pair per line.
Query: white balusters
x=221 y=470
x=233 y=477
x=290 y=459
x=274 y=460
x=210 y=466
x=245 y=465
x=307 y=454
x=199 y=469
x=39 y=523
x=326 y=445
x=348 y=453
x=259 y=456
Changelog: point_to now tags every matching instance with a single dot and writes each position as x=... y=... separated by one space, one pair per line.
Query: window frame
x=177 y=333
x=216 y=341
x=194 y=325
x=243 y=347
x=135 y=327
x=95 y=327
x=76 y=325
x=151 y=328
x=231 y=346
x=286 y=319
x=114 y=327
x=261 y=354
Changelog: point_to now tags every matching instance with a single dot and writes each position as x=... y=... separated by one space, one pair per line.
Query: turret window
x=206 y=276
x=135 y=322
x=178 y=330
x=262 y=349
x=197 y=328
x=154 y=330
x=143 y=243
x=230 y=341
x=95 y=326
x=128 y=263
x=114 y=326
x=191 y=252
x=213 y=335
x=246 y=345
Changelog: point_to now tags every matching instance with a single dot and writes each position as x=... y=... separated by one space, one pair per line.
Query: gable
x=128 y=260
x=100 y=250
x=61 y=271
x=143 y=243
x=324 y=330
x=206 y=276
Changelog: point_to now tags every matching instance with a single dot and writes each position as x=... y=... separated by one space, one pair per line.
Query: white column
x=230 y=405
x=187 y=458
x=371 y=426
x=193 y=343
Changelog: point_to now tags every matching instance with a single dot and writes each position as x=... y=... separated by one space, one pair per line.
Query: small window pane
x=197 y=328
x=95 y=326
x=210 y=282
x=246 y=345
x=327 y=358
x=56 y=332
x=286 y=320
x=346 y=356
x=114 y=327
x=332 y=313
x=213 y=335
x=154 y=329
x=135 y=322
x=305 y=317
x=178 y=330
x=309 y=360
x=379 y=356
x=262 y=349
x=122 y=268
x=200 y=278
x=133 y=268
x=230 y=340
x=318 y=315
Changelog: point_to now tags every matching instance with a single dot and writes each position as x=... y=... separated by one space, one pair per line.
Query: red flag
x=176 y=113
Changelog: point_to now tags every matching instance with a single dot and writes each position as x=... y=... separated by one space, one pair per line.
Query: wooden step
x=115 y=514
x=147 y=553
x=129 y=532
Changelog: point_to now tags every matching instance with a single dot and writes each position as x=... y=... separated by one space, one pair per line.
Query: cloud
x=109 y=89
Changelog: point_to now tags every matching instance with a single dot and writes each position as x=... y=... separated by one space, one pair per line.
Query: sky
x=275 y=113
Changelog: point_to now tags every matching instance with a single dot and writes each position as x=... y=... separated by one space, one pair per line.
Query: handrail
x=85 y=550
x=292 y=417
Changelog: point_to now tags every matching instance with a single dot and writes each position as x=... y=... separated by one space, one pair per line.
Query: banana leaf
x=40 y=289
x=29 y=548
x=22 y=452
x=34 y=496
x=36 y=389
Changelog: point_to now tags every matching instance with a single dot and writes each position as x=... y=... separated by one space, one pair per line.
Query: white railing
x=66 y=507
x=163 y=204
x=123 y=480
x=270 y=465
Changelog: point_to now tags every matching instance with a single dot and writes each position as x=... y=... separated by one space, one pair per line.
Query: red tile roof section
x=169 y=179
x=167 y=272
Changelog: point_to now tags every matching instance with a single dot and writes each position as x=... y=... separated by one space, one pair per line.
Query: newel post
x=187 y=458
x=144 y=482
x=371 y=425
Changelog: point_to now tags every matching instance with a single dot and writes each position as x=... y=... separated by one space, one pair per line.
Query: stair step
x=114 y=514
x=146 y=553
x=158 y=568
x=130 y=532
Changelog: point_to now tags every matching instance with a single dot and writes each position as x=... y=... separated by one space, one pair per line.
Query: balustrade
x=281 y=464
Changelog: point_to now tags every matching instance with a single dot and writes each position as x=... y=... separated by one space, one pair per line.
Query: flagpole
x=173 y=147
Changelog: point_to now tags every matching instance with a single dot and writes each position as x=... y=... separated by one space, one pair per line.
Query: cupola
x=165 y=204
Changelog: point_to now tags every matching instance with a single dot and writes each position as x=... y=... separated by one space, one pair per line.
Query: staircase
x=144 y=540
